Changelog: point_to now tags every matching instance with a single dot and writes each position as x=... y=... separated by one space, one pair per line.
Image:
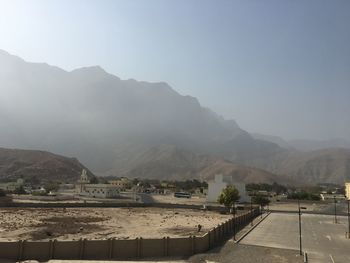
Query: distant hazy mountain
x=312 y=145
x=89 y=113
x=171 y=162
x=119 y=126
x=304 y=144
x=271 y=138
x=326 y=166
x=41 y=165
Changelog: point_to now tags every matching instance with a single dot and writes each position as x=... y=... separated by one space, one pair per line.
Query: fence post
x=52 y=248
x=82 y=248
x=215 y=234
x=193 y=244
x=167 y=245
x=137 y=247
x=111 y=246
x=20 y=249
x=209 y=239
x=164 y=246
x=140 y=247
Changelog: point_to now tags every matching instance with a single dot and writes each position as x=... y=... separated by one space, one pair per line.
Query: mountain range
x=141 y=129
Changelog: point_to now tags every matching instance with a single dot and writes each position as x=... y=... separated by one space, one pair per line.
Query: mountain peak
x=92 y=69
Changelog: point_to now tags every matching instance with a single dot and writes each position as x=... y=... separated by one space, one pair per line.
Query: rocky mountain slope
x=321 y=166
x=171 y=162
x=41 y=165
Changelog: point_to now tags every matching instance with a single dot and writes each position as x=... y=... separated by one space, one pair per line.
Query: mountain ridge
x=104 y=120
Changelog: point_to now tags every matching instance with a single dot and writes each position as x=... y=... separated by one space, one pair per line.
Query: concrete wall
x=124 y=249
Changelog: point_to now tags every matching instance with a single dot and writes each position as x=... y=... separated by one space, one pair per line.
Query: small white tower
x=83 y=181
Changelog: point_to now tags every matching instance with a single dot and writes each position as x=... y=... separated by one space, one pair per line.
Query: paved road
x=322 y=239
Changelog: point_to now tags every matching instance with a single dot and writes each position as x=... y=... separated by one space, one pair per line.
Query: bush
x=304 y=196
x=2 y=193
x=19 y=191
x=260 y=200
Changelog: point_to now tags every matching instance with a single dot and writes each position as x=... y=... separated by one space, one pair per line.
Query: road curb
x=250 y=230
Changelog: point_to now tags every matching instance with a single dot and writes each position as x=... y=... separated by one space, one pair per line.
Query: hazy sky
x=276 y=67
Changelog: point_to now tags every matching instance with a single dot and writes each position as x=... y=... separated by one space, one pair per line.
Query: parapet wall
x=124 y=249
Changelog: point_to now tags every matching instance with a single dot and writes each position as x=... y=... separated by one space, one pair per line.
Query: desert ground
x=170 y=199
x=102 y=223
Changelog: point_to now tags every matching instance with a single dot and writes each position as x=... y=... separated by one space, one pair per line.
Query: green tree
x=19 y=190
x=51 y=187
x=260 y=200
x=229 y=196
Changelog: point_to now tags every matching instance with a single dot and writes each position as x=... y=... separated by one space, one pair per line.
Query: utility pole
x=299 y=212
x=335 y=210
x=251 y=211
x=300 y=245
x=234 y=222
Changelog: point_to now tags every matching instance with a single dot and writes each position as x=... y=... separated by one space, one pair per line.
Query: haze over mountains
x=141 y=129
x=304 y=144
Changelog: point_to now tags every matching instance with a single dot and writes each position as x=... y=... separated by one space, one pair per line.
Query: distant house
x=84 y=188
x=220 y=182
x=122 y=183
x=325 y=197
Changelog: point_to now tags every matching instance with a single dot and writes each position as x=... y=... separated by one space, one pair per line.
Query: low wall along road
x=124 y=249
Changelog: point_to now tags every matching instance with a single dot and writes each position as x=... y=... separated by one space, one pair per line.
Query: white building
x=84 y=188
x=220 y=182
x=347 y=190
x=100 y=191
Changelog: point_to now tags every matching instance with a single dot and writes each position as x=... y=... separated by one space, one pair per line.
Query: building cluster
x=84 y=188
x=12 y=186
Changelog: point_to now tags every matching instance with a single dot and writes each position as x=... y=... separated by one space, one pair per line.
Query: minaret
x=83 y=180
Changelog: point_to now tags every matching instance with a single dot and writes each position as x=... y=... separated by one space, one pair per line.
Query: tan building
x=122 y=183
x=347 y=190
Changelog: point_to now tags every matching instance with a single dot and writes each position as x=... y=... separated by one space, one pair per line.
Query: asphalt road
x=323 y=240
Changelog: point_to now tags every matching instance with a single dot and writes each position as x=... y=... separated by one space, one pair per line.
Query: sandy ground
x=170 y=199
x=102 y=223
